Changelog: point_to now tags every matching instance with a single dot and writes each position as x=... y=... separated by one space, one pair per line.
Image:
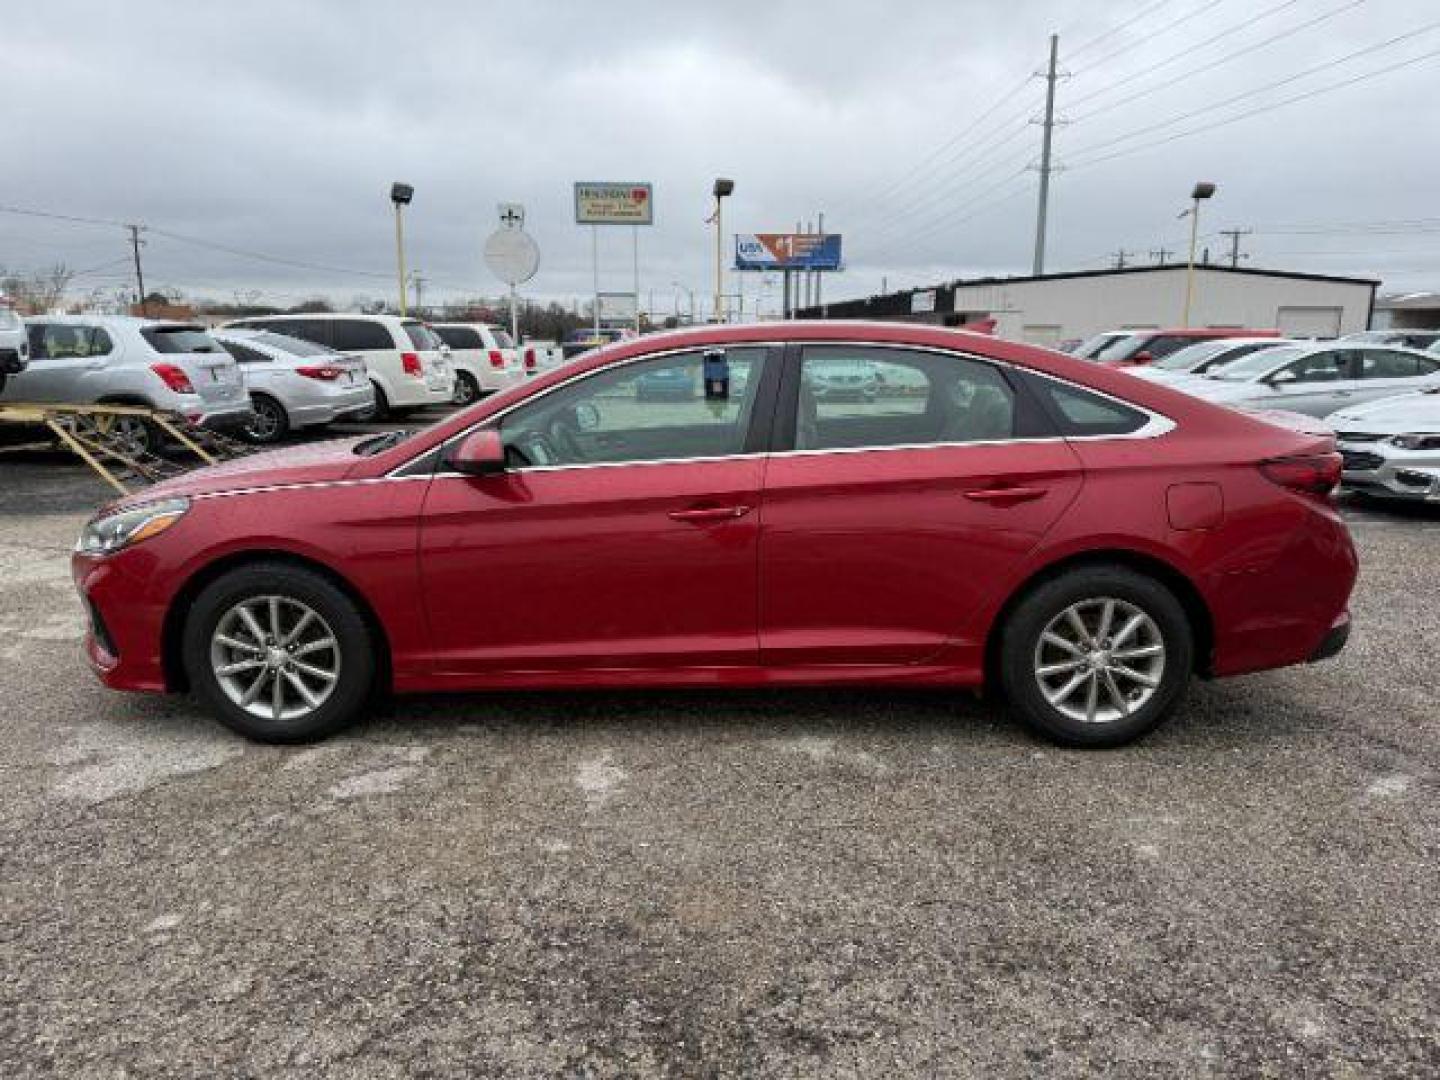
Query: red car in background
x=994 y=514
x=1147 y=346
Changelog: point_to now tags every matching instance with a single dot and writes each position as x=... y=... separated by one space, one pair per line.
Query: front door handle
x=1005 y=496
x=709 y=514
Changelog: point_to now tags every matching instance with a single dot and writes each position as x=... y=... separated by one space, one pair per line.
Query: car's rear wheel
x=1096 y=657
x=270 y=422
x=279 y=653
x=467 y=390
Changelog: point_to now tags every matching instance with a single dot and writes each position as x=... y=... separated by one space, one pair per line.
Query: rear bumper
x=334 y=407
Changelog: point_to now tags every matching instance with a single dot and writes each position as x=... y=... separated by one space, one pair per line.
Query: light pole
x=1203 y=190
x=720 y=190
x=400 y=195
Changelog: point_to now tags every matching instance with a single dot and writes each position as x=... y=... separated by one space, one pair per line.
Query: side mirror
x=481 y=453
x=1280 y=378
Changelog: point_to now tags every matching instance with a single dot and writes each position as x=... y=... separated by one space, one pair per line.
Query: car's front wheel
x=1096 y=657
x=279 y=653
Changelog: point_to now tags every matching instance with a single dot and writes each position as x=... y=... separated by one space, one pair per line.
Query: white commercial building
x=1053 y=308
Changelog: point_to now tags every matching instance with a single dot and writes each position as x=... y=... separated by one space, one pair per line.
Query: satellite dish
x=512 y=256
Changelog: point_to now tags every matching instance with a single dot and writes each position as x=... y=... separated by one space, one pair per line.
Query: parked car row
x=1380 y=397
x=260 y=377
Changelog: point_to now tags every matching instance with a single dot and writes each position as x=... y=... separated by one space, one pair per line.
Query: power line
x=1150 y=36
x=1260 y=90
x=1119 y=29
x=1210 y=66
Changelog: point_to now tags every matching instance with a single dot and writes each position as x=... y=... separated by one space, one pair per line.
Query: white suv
x=85 y=359
x=484 y=357
x=404 y=358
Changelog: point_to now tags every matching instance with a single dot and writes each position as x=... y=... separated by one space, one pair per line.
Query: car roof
x=116 y=322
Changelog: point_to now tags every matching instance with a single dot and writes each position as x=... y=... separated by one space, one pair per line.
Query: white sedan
x=1391 y=448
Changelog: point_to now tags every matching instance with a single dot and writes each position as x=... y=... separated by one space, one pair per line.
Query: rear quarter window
x=460 y=337
x=421 y=336
x=1081 y=413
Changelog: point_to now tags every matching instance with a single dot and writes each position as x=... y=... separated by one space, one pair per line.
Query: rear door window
x=1389 y=364
x=861 y=396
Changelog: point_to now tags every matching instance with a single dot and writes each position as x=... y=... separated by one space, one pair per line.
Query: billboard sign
x=787 y=251
x=618 y=307
x=614 y=204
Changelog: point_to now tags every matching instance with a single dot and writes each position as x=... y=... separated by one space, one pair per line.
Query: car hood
x=312 y=463
x=1394 y=415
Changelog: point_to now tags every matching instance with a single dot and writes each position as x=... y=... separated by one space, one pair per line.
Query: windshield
x=293 y=346
x=1192 y=355
x=1257 y=363
x=421 y=336
x=1091 y=347
x=1123 y=348
x=180 y=339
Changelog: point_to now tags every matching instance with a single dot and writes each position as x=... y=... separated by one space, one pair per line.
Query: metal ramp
x=105 y=438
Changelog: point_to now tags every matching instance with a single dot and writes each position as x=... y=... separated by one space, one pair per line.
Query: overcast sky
x=277 y=128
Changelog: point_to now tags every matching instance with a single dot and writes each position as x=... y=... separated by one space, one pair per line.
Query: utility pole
x=1049 y=131
x=1121 y=258
x=1235 y=253
x=1160 y=255
x=139 y=274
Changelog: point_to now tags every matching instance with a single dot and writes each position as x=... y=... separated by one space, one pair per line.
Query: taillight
x=497 y=358
x=1309 y=474
x=325 y=372
x=173 y=377
x=530 y=359
x=410 y=362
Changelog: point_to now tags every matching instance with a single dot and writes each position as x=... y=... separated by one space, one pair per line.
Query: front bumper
x=1388 y=472
x=1334 y=641
x=126 y=621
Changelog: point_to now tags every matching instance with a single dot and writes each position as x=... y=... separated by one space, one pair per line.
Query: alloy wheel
x=264 y=425
x=1100 y=660
x=275 y=657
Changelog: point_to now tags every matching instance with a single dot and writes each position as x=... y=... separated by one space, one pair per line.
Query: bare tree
x=37 y=291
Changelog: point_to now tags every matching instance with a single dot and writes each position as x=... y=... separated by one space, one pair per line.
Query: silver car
x=90 y=359
x=295 y=383
x=1391 y=447
x=1202 y=358
x=1317 y=379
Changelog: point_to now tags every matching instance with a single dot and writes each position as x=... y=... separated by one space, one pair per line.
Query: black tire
x=467 y=390
x=1019 y=656
x=271 y=423
x=355 y=651
x=379 y=411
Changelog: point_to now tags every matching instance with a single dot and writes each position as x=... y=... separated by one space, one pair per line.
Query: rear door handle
x=1005 y=496
x=709 y=514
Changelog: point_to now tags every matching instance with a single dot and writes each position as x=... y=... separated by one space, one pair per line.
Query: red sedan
x=807 y=503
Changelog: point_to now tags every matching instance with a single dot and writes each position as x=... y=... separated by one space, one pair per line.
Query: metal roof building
x=1051 y=308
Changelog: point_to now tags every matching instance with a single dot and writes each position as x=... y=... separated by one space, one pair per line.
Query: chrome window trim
x=1157 y=425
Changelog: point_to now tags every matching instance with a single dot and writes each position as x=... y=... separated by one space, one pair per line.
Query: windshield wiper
x=384 y=441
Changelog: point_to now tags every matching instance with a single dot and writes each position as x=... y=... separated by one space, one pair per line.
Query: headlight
x=114 y=531
x=1416 y=442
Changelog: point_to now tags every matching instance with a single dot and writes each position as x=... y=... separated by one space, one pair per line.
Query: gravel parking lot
x=802 y=883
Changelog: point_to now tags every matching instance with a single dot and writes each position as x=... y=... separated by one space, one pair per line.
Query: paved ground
x=821 y=884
